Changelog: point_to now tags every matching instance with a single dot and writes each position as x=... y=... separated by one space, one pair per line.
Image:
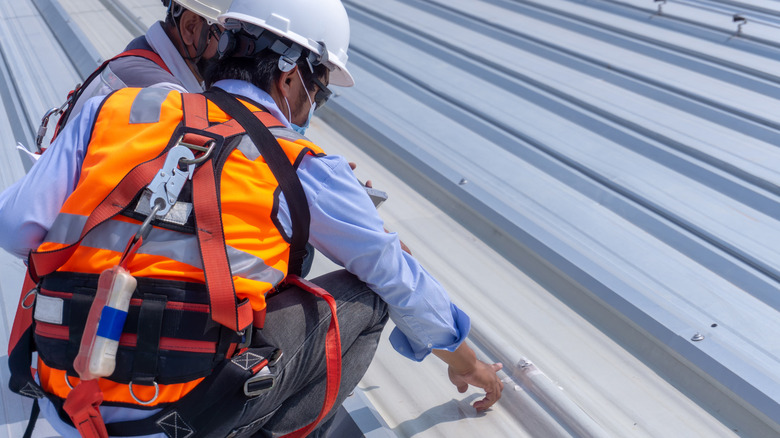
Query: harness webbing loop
x=82 y=407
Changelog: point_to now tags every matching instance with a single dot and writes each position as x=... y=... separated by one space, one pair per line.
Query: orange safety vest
x=132 y=127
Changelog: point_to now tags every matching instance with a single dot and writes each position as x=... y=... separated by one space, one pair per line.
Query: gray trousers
x=297 y=321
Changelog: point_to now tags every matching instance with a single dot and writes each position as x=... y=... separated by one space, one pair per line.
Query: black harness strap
x=148 y=341
x=36 y=409
x=281 y=167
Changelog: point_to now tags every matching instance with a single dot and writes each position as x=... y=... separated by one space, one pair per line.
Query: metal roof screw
x=463 y=181
x=697 y=337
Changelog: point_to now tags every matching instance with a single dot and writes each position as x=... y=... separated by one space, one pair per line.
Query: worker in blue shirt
x=286 y=72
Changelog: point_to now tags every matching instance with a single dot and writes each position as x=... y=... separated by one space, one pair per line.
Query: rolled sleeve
x=417 y=348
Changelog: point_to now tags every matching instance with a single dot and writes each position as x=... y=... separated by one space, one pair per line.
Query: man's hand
x=483 y=376
x=465 y=369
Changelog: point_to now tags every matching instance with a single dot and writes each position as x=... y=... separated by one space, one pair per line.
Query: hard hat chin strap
x=202 y=45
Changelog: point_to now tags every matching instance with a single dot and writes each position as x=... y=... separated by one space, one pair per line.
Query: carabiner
x=44 y=126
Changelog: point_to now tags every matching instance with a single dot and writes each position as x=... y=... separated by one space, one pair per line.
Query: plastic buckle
x=259 y=383
x=263 y=381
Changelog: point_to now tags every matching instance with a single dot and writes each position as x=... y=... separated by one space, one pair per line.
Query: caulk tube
x=100 y=340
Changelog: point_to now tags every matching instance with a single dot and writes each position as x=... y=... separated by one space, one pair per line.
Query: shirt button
x=430 y=345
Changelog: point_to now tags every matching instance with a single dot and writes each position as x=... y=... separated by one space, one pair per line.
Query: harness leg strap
x=82 y=408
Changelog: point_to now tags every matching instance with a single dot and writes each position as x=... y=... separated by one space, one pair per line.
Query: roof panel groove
x=79 y=49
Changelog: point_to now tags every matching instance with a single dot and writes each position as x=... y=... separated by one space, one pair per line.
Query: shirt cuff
x=401 y=343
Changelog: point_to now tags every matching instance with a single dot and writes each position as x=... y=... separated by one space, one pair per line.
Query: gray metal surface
x=595 y=182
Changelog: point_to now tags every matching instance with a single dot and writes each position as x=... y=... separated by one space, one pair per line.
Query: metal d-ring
x=203 y=157
x=33 y=291
x=67 y=382
x=156 y=393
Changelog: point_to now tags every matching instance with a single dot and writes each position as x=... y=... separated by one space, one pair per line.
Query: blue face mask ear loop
x=312 y=105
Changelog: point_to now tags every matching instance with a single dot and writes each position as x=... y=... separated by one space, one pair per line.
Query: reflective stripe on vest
x=181 y=247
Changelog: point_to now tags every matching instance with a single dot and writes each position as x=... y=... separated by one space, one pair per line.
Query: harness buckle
x=274 y=357
x=263 y=381
x=260 y=383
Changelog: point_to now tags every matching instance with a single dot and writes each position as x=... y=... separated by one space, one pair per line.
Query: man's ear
x=189 y=26
x=285 y=81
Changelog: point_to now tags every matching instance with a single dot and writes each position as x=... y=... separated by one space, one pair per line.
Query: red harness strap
x=211 y=236
x=143 y=53
x=332 y=354
x=44 y=263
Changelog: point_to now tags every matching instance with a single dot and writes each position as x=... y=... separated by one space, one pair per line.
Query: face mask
x=302 y=129
x=312 y=105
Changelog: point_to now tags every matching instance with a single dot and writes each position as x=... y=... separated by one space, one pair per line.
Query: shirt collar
x=243 y=88
x=158 y=39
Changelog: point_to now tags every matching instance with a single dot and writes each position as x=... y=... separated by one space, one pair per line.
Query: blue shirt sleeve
x=30 y=205
x=347 y=229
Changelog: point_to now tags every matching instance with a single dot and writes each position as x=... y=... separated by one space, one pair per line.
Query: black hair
x=261 y=70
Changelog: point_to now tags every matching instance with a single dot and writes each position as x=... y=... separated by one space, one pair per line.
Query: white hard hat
x=208 y=9
x=321 y=26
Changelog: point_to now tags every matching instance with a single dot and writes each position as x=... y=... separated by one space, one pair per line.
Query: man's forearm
x=462 y=361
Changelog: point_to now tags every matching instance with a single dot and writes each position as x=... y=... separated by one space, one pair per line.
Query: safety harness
x=228 y=361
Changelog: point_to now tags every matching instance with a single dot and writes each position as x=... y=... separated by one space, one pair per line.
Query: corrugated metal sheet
x=596 y=182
